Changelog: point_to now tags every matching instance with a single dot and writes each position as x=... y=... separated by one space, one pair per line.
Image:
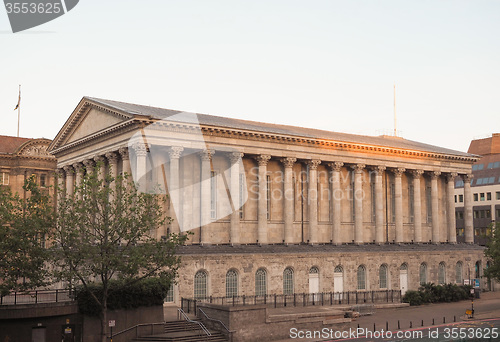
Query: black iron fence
x=37 y=297
x=300 y=299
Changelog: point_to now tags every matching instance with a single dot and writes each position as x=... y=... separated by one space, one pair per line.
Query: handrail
x=137 y=326
x=215 y=320
x=191 y=321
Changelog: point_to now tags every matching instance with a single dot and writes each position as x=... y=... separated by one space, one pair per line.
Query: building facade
x=485 y=186
x=21 y=158
x=282 y=209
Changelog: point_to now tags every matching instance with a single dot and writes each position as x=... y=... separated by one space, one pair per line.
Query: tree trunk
x=104 y=322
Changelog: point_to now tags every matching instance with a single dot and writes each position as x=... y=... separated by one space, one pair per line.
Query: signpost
x=111 y=324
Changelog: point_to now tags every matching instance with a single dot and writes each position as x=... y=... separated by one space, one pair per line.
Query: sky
x=323 y=64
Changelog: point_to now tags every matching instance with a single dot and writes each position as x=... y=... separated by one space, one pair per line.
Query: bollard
x=411 y=325
x=374 y=327
x=398 y=325
x=444 y=320
x=454 y=318
x=433 y=321
x=422 y=322
x=386 y=326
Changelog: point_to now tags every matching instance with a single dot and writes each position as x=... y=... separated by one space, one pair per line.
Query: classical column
x=436 y=238
x=379 y=205
x=263 y=159
x=398 y=192
x=358 y=203
x=417 y=205
x=100 y=162
x=126 y=168
x=112 y=158
x=206 y=157
x=335 y=201
x=89 y=166
x=173 y=188
x=79 y=169
x=288 y=200
x=60 y=184
x=452 y=226
x=69 y=180
x=312 y=196
x=140 y=167
x=235 y=159
x=469 y=228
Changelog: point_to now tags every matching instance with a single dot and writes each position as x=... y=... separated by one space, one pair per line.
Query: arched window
x=200 y=285
x=261 y=282
x=458 y=273
x=231 y=283
x=338 y=269
x=314 y=270
x=403 y=267
x=361 y=278
x=442 y=273
x=383 y=276
x=478 y=269
x=423 y=273
x=288 y=281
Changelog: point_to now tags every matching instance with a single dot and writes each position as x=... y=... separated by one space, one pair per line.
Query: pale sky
x=323 y=64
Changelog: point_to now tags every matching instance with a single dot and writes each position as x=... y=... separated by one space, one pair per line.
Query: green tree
x=492 y=252
x=25 y=224
x=106 y=232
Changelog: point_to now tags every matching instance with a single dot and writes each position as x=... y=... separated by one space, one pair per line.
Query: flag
x=19 y=100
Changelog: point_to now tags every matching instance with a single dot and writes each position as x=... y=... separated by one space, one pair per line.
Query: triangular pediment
x=89 y=118
x=94 y=121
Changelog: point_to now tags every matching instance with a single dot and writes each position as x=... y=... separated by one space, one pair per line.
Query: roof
x=9 y=145
x=218 y=121
x=486 y=146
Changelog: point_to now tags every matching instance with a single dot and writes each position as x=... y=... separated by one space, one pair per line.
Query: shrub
x=431 y=293
x=413 y=297
x=148 y=292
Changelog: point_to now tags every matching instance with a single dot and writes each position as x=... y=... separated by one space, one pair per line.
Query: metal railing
x=136 y=327
x=299 y=299
x=186 y=318
x=228 y=332
x=38 y=297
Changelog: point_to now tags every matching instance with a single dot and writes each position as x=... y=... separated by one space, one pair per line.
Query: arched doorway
x=338 y=282
x=314 y=282
x=403 y=278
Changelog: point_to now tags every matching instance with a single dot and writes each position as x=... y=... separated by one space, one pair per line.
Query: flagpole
x=19 y=111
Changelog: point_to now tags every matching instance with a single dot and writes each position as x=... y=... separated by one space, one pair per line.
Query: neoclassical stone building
x=282 y=209
x=21 y=158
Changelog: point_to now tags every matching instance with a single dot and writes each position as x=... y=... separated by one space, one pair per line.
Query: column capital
x=358 y=168
x=288 y=161
x=398 y=172
x=467 y=177
x=112 y=157
x=313 y=164
x=68 y=169
x=235 y=157
x=206 y=155
x=263 y=159
x=175 y=152
x=450 y=177
x=417 y=173
x=123 y=151
x=60 y=172
x=99 y=159
x=378 y=169
x=335 y=166
x=435 y=174
x=140 y=149
x=89 y=163
x=78 y=167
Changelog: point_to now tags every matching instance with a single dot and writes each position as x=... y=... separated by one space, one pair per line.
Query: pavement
x=403 y=318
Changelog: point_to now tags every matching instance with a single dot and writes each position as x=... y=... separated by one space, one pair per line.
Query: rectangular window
x=487 y=213
x=479 y=181
x=455 y=198
x=170 y=294
x=461 y=198
x=411 y=209
x=476 y=197
x=459 y=183
x=481 y=196
x=497 y=215
x=213 y=194
x=497 y=165
x=488 y=196
x=393 y=203
x=374 y=208
x=43 y=180
x=268 y=192
x=476 y=214
x=491 y=180
x=428 y=201
x=241 y=190
x=490 y=165
x=4 y=178
x=498 y=195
